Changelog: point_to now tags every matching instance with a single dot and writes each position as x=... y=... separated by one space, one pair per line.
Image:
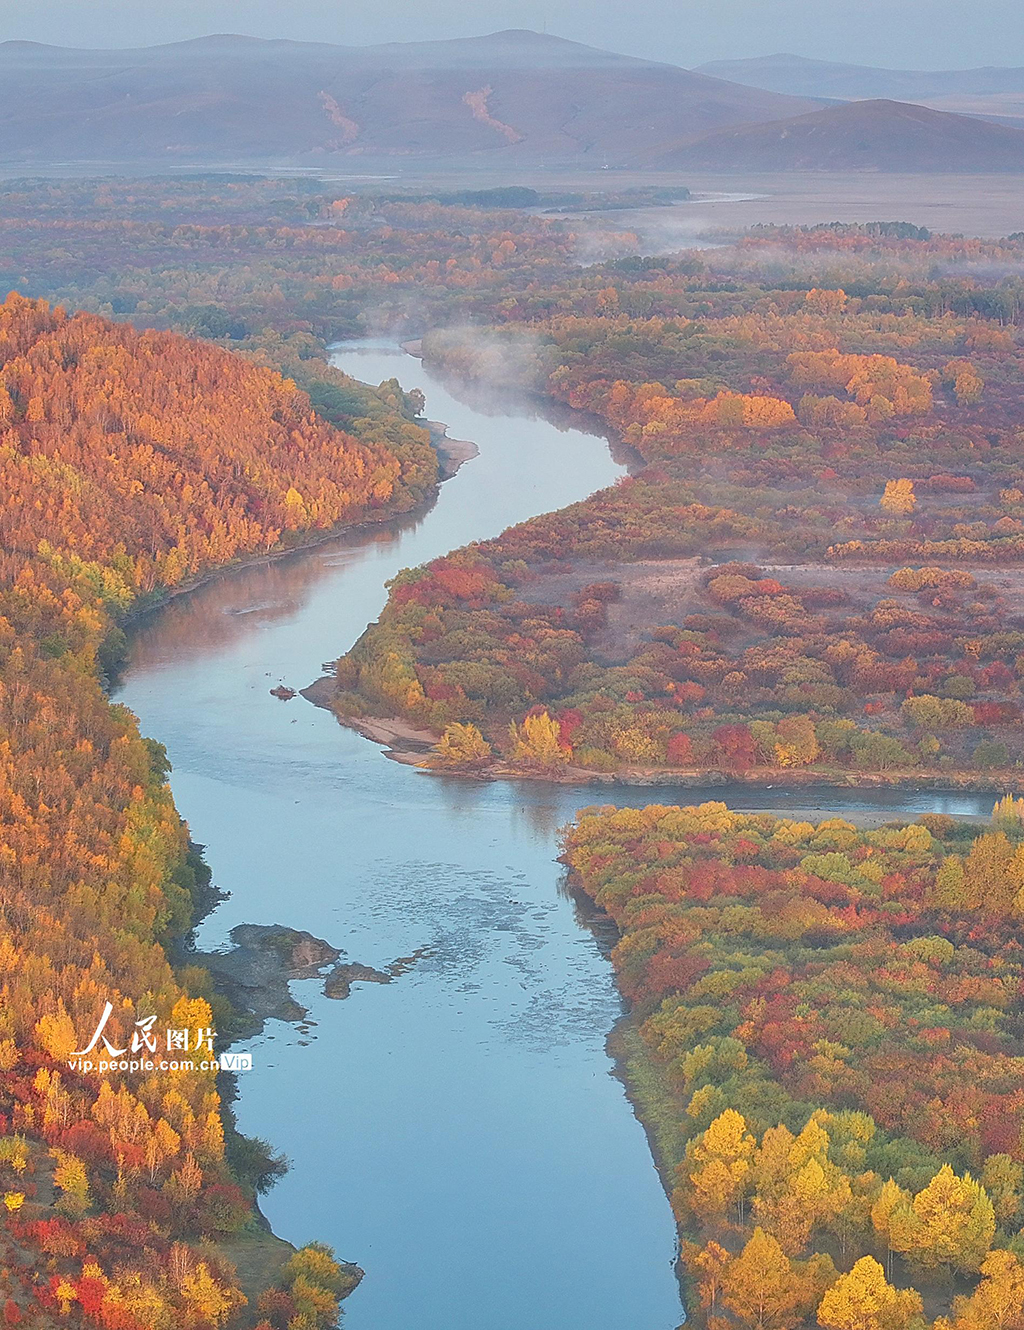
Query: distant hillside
x=858 y=136
x=514 y=96
x=800 y=77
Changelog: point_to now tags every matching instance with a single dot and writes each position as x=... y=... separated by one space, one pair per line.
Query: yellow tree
x=772 y=1163
x=462 y=745
x=1008 y=813
x=70 y=1178
x=899 y=498
x=892 y=1218
x=865 y=1300
x=294 y=509
x=964 y=379
x=207 y=1300
x=709 y=1263
x=819 y=1193
x=760 y=1287
x=955 y=1222
x=535 y=743
x=994 y=872
x=65 y=1295
x=797 y=1186
x=825 y=301
x=718 y=1165
x=797 y=741
x=55 y=1034
x=998 y=1301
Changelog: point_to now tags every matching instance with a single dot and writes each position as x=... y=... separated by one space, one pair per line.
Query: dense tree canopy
x=130 y=463
x=865 y=447
x=836 y=1017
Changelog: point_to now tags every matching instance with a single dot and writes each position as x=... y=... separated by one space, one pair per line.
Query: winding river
x=458 y=1132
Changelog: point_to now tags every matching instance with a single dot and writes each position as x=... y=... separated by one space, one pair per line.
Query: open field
x=984 y=205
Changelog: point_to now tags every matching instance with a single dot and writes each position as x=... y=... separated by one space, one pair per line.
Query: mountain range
x=511 y=100
x=801 y=77
x=515 y=95
x=875 y=135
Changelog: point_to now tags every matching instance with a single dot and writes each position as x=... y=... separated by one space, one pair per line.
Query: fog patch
x=510 y=358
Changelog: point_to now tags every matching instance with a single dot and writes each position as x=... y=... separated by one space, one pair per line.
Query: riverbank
x=657 y=1110
x=452 y=455
x=411 y=745
x=253 y=979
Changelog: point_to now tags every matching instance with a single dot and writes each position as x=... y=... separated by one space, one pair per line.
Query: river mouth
x=458 y=1131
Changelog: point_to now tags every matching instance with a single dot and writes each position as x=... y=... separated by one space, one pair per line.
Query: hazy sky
x=921 y=34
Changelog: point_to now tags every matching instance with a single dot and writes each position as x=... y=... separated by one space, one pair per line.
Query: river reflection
x=458 y=1132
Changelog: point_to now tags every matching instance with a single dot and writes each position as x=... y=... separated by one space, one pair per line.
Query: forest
x=133 y=463
x=811 y=572
x=828 y=1056
x=814 y=564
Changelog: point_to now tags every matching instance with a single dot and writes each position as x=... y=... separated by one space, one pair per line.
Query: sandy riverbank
x=452 y=453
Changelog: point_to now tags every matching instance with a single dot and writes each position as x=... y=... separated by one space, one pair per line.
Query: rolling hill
x=993 y=92
x=800 y=77
x=873 y=135
x=512 y=96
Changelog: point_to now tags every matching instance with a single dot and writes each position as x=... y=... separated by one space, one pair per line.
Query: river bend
x=457 y=1132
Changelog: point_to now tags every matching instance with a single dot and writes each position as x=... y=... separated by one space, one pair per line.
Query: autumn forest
x=811 y=574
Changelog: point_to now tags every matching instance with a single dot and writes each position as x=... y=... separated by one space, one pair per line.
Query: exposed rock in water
x=321 y=691
x=264 y=958
x=398 y=967
x=338 y=983
x=352 y=1275
x=284 y=693
x=301 y=955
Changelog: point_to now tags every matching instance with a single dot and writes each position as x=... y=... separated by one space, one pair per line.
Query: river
x=458 y=1132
